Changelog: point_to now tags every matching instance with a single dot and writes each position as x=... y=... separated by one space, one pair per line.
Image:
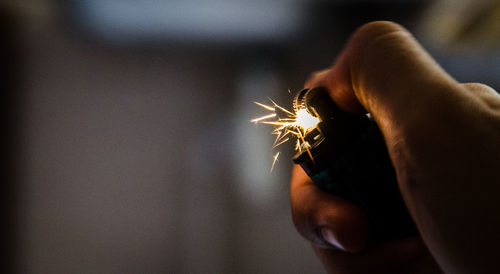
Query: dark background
x=127 y=138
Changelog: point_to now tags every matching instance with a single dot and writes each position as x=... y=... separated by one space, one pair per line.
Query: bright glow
x=306 y=120
x=294 y=124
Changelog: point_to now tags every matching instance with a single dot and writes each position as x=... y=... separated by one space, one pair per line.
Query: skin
x=443 y=138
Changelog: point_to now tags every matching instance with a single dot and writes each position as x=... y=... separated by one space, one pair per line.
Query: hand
x=443 y=138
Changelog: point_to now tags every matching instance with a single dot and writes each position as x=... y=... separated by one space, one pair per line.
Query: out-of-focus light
x=214 y=20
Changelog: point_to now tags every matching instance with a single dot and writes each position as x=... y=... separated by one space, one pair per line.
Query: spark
x=297 y=123
x=256 y=120
x=282 y=108
x=280 y=137
x=275 y=159
x=264 y=106
x=281 y=142
x=307 y=148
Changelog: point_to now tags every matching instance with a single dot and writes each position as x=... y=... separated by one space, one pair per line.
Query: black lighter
x=345 y=155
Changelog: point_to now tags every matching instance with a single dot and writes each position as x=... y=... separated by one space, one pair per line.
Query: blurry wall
x=131 y=161
x=105 y=152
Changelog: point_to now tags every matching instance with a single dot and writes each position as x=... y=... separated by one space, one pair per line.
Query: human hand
x=443 y=140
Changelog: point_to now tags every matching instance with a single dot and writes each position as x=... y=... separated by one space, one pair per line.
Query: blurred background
x=127 y=138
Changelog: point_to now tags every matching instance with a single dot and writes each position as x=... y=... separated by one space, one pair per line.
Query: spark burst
x=294 y=124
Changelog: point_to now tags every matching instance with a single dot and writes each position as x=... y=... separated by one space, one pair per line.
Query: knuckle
x=378 y=43
x=379 y=36
x=473 y=86
x=379 y=28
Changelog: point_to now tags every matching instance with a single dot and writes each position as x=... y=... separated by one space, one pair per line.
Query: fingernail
x=329 y=237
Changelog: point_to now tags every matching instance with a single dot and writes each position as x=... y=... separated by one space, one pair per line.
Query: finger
x=385 y=71
x=326 y=220
x=316 y=78
x=391 y=257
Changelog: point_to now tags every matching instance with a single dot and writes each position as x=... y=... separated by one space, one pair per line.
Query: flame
x=305 y=120
x=296 y=124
